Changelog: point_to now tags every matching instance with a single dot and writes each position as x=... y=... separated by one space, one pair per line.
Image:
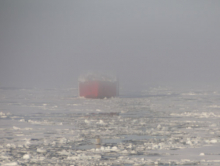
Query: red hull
x=98 y=89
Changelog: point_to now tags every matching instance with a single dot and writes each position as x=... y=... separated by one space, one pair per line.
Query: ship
x=98 y=86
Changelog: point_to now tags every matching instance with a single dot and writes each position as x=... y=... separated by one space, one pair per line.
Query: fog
x=48 y=44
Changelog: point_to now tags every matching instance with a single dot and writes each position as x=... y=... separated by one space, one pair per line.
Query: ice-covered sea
x=155 y=127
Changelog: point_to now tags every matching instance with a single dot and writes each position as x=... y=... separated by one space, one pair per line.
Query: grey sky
x=49 y=43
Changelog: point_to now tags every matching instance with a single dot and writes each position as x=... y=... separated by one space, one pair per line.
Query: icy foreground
x=159 y=127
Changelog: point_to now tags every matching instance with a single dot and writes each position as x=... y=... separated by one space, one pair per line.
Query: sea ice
x=11 y=164
x=26 y=156
x=160 y=127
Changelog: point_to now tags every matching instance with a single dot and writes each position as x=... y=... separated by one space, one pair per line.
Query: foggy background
x=48 y=44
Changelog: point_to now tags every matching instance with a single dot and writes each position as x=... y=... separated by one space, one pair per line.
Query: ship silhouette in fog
x=93 y=85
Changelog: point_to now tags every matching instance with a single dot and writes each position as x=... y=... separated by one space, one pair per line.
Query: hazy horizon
x=48 y=44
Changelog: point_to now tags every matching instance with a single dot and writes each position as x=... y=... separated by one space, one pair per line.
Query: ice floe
x=163 y=127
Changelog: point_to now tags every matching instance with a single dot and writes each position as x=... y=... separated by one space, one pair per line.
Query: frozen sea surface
x=155 y=127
